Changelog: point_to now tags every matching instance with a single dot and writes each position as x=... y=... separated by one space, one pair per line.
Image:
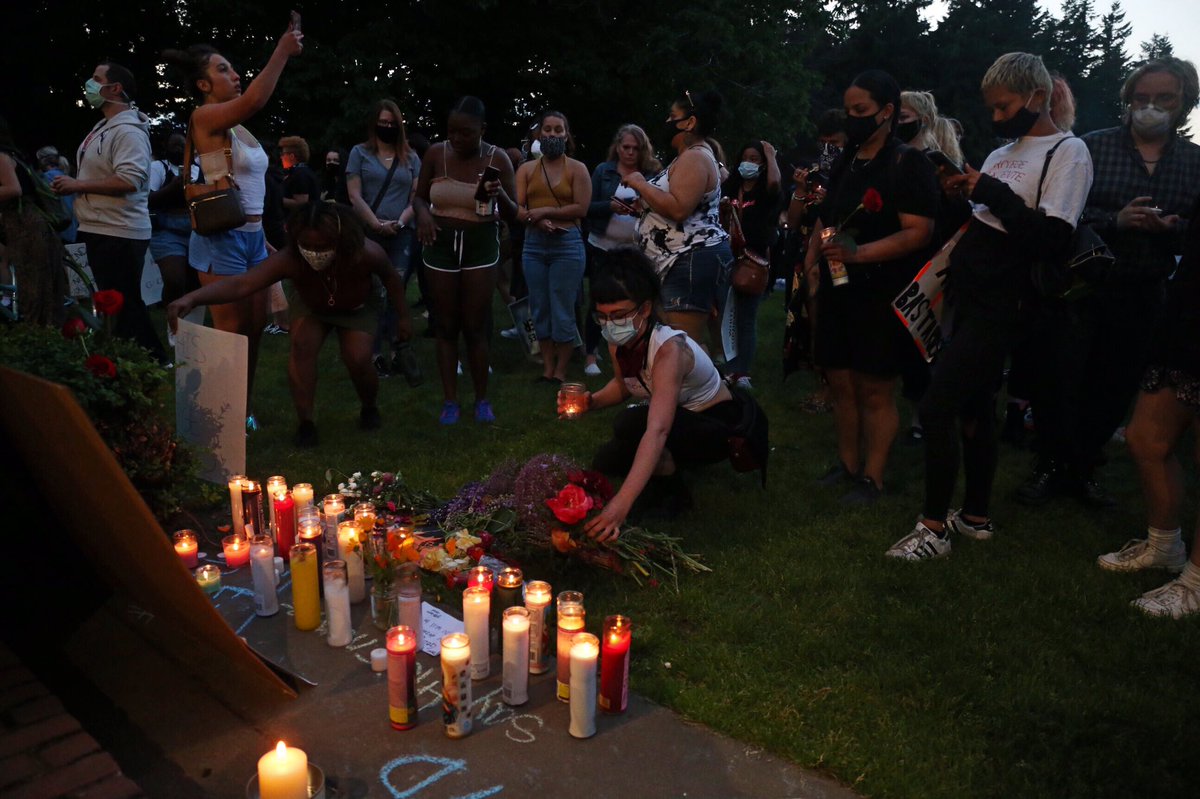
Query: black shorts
x=858 y=330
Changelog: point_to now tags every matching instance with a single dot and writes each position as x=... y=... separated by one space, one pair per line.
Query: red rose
x=101 y=366
x=475 y=553
x=74 y=328
x=594 y=483
x=108 y=302
x=872 y=201
x=571 y=506
x=485 y=540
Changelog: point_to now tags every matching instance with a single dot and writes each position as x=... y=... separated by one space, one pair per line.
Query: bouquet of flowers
x=389 y=492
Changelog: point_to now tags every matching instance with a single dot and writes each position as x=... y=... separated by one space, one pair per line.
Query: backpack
x=35 y=187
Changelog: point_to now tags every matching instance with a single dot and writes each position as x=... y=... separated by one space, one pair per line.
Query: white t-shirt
x=160 y=169
x=1020 y=163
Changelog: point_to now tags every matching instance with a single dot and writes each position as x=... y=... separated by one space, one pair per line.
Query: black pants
x=1091 y=355
x=695 y=438
x=963 y=390
x=117 y=264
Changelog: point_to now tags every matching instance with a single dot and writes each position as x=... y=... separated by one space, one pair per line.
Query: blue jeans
x=399 y=249
x=553 y=265
x=745 y=314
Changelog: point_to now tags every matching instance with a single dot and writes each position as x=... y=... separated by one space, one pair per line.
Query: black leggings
x=695 y=438
x=117 y=264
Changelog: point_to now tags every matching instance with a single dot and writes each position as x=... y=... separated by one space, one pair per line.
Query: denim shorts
x=230 y=253
x=690 y=283
x=171 y=236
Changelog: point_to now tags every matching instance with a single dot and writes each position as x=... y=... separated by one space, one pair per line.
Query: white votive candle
x=350 y=550
x=262 y=572
x=585 y=649
x=337 y=604
x=515 y=682
x=477 y=602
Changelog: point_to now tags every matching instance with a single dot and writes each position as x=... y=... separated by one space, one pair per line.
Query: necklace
x=330 y=285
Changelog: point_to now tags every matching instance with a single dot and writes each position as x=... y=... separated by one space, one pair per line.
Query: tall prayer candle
x=337 y=604
x=252 y=508
x=364 y=517
x=306 y=599
x=571 y=618
x=311 y=530
x=515 y=676
x=283 y=773
x=276 y=484
x=537 y=601
x=303 y=494
x=237 y=551
x=187 y=548
x=614 y=664
x=208 y=577
x=456 y=685
x=285 y=522
x=350 y=550
x=401 y=671
x=584 y=649
x=235 y=503
x=408 y=597
x=476 y=607
x=333 y=506
x=262 y=571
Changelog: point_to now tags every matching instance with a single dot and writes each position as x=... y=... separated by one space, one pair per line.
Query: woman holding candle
x=692 y=414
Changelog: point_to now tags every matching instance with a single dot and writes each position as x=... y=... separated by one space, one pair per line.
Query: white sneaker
x=921 y=544
x=1173 y=599
x=1139 y=554
x=510 y=333
x=955 y=523
x=591 y=370
x=744 y=382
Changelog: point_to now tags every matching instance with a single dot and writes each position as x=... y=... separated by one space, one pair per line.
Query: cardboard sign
x=210 y=397
x=919 y=306
x=435 y=625
x=152 y=282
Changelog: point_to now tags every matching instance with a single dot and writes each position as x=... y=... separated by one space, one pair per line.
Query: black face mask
x=907 y=131
x=1017 y=125
x=670 y=130
x=333 y=169
x=387 y=135
x=859 y=129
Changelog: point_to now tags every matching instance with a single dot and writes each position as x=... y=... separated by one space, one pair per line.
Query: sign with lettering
x=210 y=397
x=435 y=625
x=919 y=306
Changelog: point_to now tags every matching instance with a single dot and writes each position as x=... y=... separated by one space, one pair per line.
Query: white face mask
x=748 y=170
x=1150 y=121
x=318 y=259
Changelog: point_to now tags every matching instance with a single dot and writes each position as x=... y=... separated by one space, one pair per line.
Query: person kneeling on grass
x=693 y=417
x=331 y=268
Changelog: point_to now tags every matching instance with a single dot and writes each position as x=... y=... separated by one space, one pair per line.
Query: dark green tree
x=1103 y=81
x=1157 y=46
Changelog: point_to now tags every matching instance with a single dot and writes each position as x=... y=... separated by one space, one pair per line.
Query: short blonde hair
x=1023 y=73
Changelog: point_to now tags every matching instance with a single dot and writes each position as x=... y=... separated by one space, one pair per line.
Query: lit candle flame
x=281 y=750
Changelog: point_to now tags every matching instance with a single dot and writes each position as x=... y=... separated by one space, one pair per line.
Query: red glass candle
x=285 y=523
x=614 y=664
x=187 y=548
x=237 y=551
x=480 y=575
x=401 y=675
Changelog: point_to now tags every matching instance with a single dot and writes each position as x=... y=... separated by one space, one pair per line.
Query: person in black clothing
x=333 y=178
x=300 y=184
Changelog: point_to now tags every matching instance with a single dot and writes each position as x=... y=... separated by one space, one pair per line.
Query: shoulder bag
x=217 y=206
x=751 y=271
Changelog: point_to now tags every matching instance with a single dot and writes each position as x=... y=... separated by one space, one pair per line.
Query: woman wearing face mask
x=860 y=343
x=680 y=228
x=171 y=226
x=461 y=247
x=225 y=148
x=333 y=178
x=553 y=193
x=989 y=270
x=691 y=413
x=752 y=196
x=331 y=269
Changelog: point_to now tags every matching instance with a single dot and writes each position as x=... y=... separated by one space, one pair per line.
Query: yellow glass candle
x=306 y=599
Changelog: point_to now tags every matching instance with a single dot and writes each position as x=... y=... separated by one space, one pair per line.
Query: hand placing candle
x=283 y=773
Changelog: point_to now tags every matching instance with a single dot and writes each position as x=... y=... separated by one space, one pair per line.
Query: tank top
x=249 y=170
x=700 y=385
x=539 y=194
x=664 y=240
x=455 y=199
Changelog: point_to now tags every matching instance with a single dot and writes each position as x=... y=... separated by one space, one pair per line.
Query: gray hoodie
x=117 y=146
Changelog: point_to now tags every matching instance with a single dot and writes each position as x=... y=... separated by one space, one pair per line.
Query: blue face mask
x=619 y=332
x=748 y=170
x=91 y=93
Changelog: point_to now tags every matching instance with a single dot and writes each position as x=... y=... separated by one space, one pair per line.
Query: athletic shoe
x=306 y=434
x=921 y=544
x=591 y=370
x=484 y=413
x=955 y=523
x=450 y=411
x=1173 y=599
x=865 y=492
x=1139 y=554
x=381 y=366
x=273 y=329
x=369 y=418
x=743 y=381
x=1095 y=495
x=251 y=424
x=1041 y=486
x=404 y=361
x=511 y=333
x=838 y=473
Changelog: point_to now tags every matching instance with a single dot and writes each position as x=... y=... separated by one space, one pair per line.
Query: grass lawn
x=1013 y=668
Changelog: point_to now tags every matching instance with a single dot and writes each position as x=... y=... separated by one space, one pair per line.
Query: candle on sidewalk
x=537 y=600
x=476 y=608
x=283 y=773
x=187 y=548
x=337 y=604
x=614 y=664
x=311 y=530
x=401 y=671
x=285 y=522
x=262 y=572
x=303 y=494
x=237 y=551
x=208 y=577
x=306 y=598
x=332 y=508
x=515 y=675
x=350 y=550
x=276 y=485
x=235 y=503
x=571 y=619
x=252 y=509
x=408 y=597
x=584 y=650
x=456 y=685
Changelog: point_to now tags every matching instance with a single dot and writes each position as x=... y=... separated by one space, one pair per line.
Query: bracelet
x=797 y=198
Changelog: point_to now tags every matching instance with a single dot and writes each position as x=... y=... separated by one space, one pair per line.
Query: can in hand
x=837 y=269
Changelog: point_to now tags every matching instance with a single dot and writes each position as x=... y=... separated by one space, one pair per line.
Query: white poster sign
x=920 y=306
x=210 y=397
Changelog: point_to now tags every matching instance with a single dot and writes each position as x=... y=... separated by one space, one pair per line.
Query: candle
x=379 y=658
x=350 y=550
x=476 y=607
x=252 y=509
x=285 y=521
x=311 y=530
x=584 y=649
x=237 y=551
x=303 y=494
x=235 y=502
x=262 y=571
x=283 y=773
x=337 y=603
x=364 y=517
x=572 y=400
x=408 y=597
x=509 y=583
x=306 y=598
x=276 y=485
x=480 y=576
x=187 y=548
x=571 y=616
x=537 y=601
x=401 y=671
x=332 y=507
x=515 y=676
x=614 y=664
x=208 y=577
x=456 y=686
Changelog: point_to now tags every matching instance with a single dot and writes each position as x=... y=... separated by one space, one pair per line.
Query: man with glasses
x=1147 y=178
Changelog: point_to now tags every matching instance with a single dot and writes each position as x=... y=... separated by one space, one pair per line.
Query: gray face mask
x=1150 y=121
x=554 y=146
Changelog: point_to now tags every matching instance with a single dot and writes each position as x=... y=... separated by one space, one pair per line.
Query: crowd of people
x=656 y=262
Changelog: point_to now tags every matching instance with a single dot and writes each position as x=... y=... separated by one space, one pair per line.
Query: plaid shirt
x=1120 y=176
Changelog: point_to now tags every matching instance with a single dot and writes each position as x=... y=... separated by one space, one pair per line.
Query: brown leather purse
x=217 y=206
x=751 y=271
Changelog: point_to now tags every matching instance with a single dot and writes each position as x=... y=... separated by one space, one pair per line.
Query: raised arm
x=213 y=119
x=276 y=267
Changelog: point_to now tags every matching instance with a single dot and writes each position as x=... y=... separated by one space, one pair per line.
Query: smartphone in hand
x=628 y=208
x=294 y=20
x=941 y=159
x=489 y=174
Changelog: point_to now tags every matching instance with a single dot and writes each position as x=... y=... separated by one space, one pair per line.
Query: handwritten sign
x=210 y=397
x=152 y=283
x=919 y=306
x=435 y=625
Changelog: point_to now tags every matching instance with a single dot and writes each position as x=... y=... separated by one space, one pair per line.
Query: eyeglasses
x=619 y=316
x=1159 y=100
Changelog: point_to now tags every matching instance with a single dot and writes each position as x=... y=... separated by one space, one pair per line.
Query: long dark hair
x=194 y=64
x=735 y=181
x=883 y=89
x=566 y=124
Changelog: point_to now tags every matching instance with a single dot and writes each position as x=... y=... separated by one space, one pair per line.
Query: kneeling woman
x=692 y=414
x=331 y=267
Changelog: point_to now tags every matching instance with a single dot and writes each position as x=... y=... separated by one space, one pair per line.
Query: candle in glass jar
x=187 y=548
x=337 y=603
x=208 y=577
x=515 y=675
x=476 y=607
x=311 y=530
x=283 y=773
x=332 y=508
x=408 y=597
x=401 y=675
x=572 y=398
x=303 y=494
x=583 y=653
x=252 y=509
x=306 y=598
x=480 y=576
x=614 y=664
x=509 y=583
x=262 y=571
x=237 y=551
x=276 y=485
x=235 y=503
x=571 y=619
x=537 y=601
x=456 y=685
x=285 y=522
x=364 y=517
x=350 y=550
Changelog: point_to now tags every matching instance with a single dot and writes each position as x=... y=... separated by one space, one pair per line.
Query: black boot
x=1044 y=484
